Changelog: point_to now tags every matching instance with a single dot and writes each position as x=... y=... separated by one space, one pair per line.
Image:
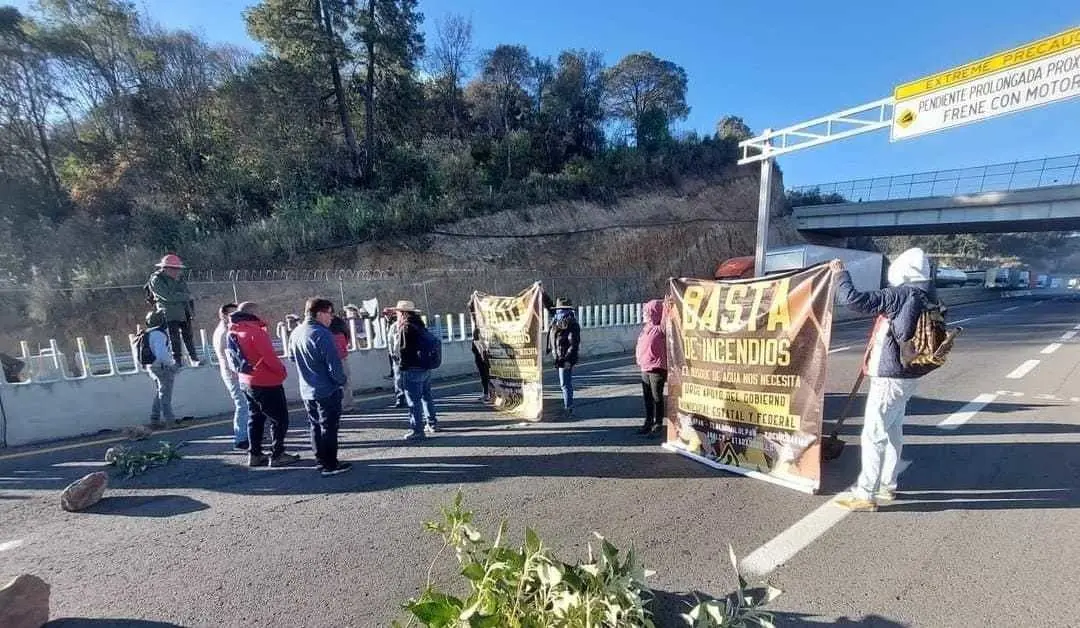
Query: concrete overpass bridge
x=1039 y=195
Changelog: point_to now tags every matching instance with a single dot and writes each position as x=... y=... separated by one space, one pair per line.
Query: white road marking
x=1010 y=309
x=10 y=545
x=1008 y=393
x=839 y=349
x=765 y=559
x=1069 y=335
x=964 y=320
x=1050 y=348
x=1023 y=369
x=966 y=413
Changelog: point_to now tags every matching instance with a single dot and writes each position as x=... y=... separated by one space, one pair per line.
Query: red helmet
x=171 y=260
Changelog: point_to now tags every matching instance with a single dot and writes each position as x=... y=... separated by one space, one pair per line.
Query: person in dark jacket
x=168 y=292
x=415 y=378
x=898 y=308
x=262 y=376
x=651 y=354
x=564 y=340
x=480 y=357
x=317 y=356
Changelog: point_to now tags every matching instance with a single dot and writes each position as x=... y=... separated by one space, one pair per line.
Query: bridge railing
x=1017 y=175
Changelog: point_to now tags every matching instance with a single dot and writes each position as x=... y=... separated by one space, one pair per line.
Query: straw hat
x=406 y=306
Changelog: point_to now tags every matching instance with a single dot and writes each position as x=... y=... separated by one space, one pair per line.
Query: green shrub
x=527 y=586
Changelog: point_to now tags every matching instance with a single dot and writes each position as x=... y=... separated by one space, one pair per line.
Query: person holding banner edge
x=898 y=308
x=564 y=341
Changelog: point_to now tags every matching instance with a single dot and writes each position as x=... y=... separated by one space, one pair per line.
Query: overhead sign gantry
x=1037 y=73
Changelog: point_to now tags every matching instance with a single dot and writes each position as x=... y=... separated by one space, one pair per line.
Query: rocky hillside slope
x=591 y=253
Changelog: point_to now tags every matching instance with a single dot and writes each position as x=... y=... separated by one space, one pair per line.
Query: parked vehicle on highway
x=1003 y=278
x=975 y=277
x=867 y=268
x=1042 y=281
x=1024 y=282
x=947 y=277
x=1055 y=283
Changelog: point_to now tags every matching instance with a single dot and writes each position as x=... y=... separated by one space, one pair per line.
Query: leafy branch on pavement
x=130 y=462
x=529 y=587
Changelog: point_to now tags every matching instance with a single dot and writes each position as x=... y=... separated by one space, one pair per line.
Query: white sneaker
x=885 y=495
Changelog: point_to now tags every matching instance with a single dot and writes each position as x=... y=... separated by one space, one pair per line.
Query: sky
x=774 y=63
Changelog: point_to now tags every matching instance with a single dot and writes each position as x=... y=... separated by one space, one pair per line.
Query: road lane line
x=1051 y=348
x=1010 y=309
x=765 y=559
x=10 y=545
x=1069 y=335
x=964 y=320
x=966 y=413
x=839 y=349
x=1023 y=369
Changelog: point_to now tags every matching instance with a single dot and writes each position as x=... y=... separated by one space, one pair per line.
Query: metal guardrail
x=1017 y=175
x=53 y=364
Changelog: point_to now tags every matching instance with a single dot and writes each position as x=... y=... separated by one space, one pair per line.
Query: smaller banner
x=747 y=373
x=509 y=338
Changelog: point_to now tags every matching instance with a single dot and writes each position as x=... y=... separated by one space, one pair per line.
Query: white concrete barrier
x=55 y=404
x=64 y=408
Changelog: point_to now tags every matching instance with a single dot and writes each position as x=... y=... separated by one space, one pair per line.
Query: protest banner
x=747 y=373
x=509 y=336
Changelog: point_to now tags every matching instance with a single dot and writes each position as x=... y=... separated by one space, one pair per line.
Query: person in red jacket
x=340 y=330
x=651 y=352
x=262 y=375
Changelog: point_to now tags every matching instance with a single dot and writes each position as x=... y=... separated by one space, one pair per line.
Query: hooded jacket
x=565 y=337
x=267 y=370
x=651 y=348
x=170 y=295
x=897 y=307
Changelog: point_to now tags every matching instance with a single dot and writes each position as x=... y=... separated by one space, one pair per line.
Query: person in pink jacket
x=652 y=360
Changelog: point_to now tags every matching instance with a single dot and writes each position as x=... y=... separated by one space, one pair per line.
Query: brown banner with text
x=509 y=336
x=747 y=373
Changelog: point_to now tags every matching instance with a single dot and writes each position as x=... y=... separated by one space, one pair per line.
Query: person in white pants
x=231 y=380
x=898 y=308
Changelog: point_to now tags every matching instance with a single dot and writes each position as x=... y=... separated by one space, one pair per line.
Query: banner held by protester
x=510 y=336
x=747 y=373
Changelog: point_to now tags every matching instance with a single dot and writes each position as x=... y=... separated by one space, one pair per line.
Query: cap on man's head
x=172 y=260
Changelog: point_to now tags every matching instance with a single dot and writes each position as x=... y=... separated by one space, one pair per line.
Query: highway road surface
x=986 y=531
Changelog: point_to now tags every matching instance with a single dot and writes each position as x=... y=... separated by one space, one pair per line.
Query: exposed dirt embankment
x=679 y=231
x=683 y=231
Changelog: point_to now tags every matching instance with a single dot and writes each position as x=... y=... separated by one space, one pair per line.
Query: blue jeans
x=417 y=384
x=566 y=382
x=240 y=407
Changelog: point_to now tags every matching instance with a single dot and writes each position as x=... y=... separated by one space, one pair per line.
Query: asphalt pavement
x=985 y=532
